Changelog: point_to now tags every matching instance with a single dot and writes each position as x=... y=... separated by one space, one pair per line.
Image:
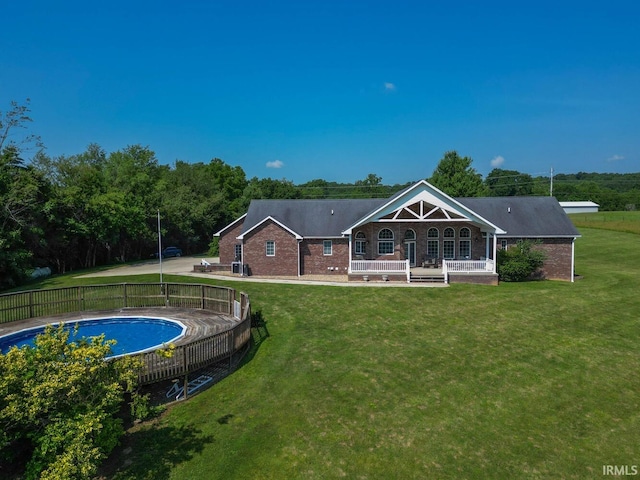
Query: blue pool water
x=132 y=334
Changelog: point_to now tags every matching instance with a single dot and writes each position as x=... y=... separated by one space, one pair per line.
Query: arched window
x=449 y=246
x=360 y=243
x=433 y=233
x=464 y=250
x=385 y=242
x=410 y=235
x=385 y=234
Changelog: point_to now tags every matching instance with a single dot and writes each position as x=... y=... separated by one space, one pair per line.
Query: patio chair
x=430 y=262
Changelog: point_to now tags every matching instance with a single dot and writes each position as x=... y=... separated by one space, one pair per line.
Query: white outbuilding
x=579 y=207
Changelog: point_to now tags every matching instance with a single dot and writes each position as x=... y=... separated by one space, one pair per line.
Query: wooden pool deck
x=199 y=323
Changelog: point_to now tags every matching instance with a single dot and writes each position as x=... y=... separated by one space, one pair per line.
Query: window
x=465 y=245
x=237 y=252
x=465 y=248
x=448 y=249
x=433 y=245
x=432 y=248
x=410 y=235
x=327 y=247
x=361 y=242
x=385 y=233
x=385 y=242
x=449 y=246
x=271 y=248
x=503 y=244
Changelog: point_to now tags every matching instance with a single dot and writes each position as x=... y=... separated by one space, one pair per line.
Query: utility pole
x=160 y=246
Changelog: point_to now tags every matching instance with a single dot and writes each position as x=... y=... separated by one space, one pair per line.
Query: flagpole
x=160 y=246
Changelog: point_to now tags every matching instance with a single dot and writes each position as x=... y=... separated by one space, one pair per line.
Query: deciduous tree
x=455 y=176
x=508 y=183
x=22 y=190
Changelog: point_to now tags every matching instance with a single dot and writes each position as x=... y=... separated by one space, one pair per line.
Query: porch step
x=427 y=278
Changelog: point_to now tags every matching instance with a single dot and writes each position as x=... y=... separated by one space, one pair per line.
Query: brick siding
x=285 y=260
x=314 y=262
x=557 y=264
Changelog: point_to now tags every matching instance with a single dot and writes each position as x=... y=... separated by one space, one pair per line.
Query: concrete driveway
x=174 y=266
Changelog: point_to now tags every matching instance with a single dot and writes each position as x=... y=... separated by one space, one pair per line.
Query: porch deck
x=465 y=271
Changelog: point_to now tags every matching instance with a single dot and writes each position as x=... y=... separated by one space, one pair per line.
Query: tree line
x=96 y=207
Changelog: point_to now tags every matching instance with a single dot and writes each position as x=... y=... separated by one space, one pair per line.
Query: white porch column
x=573 y=259
x=299 y=266
x=495 y=252
x=487 y=251
x=350 y=252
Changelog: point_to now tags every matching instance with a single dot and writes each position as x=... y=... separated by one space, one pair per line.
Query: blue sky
x=333 y=89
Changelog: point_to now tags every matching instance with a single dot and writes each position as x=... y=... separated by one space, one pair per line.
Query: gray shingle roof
x=524 y=216
x=527 y=217
x=312 y=218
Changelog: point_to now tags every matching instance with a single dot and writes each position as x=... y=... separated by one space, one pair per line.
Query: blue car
x=170 y=252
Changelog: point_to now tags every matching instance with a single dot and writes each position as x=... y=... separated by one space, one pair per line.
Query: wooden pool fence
x=186 y=357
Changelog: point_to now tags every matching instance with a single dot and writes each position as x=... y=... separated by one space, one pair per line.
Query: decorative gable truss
x=422 y=202
x=423 y=211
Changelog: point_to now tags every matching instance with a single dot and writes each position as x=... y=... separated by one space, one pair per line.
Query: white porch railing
x=380 y=266
x=466 y=266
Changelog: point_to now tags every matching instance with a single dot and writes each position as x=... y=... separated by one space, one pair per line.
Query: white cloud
x=615 y=158
x=275 y=164
x=496 y=162
x=389 y=87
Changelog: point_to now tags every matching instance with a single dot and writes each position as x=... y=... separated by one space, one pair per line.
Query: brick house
x=419 y=233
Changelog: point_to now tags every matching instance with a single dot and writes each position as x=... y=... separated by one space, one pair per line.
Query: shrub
x=61 y=401
x=519 y=262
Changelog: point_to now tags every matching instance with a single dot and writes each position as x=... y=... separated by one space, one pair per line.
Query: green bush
x=61 y=401
x=520 y=262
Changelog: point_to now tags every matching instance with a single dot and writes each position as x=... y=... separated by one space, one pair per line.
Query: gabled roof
x=533 y=217
x=524 y=216
x=267 y=219
x=418 y=201
x=310 y=218
x=232 y=224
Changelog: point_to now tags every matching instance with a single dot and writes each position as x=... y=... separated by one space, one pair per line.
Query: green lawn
x=532 y=380
x=618 y=221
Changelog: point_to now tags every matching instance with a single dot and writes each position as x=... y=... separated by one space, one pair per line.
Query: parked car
x=170 y=252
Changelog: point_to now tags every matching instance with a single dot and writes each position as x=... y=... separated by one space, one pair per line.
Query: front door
x=410 y=253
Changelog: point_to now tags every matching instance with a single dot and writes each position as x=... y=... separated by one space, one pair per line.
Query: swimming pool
x=132 y=334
